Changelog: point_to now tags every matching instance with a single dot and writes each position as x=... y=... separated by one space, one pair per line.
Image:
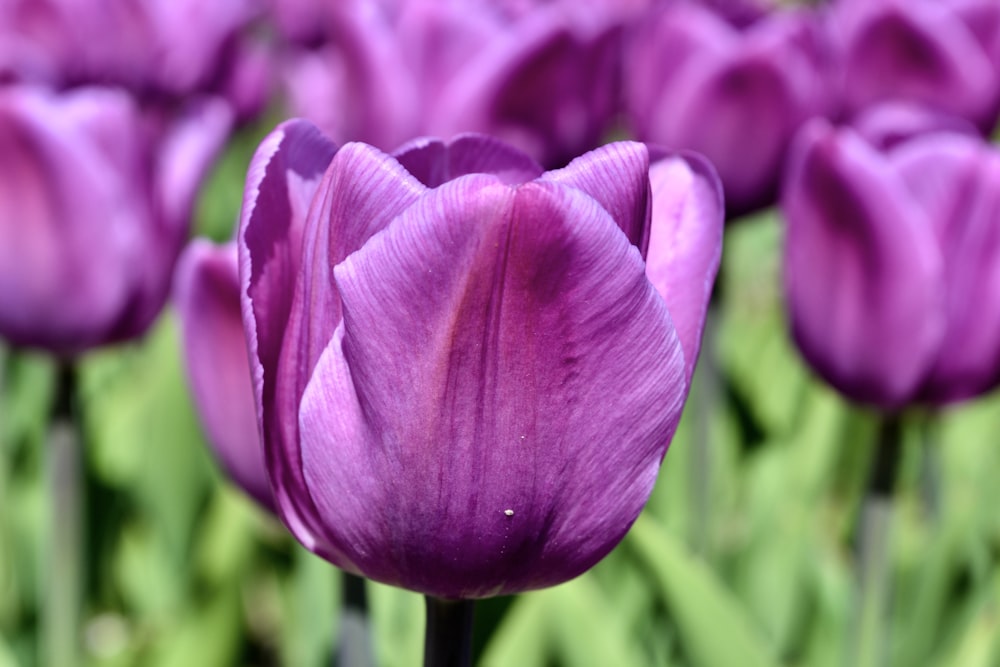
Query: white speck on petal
x=509 y=512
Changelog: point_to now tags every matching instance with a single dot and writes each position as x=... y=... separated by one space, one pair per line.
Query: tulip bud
x=891 y=264
x=467 y=390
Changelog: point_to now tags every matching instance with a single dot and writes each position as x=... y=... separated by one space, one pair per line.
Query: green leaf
x=713 y=628
x=523 y=637
x=587 y=629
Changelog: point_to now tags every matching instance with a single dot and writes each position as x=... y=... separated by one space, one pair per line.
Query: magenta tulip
x=891 y=264
x=467 y=390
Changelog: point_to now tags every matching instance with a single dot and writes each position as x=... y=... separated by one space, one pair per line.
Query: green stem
x=870 y=646
x=355 y=629
x=62 y=576
x=930 y=468
x=449 y=633
x=706 y=404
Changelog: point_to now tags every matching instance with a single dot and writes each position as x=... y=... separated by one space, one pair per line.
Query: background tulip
x=206 y=292
x=694 y=81
x=922 y=53
x=474 y=323
x=95 y=206
x=165 y=50
x=891 y=262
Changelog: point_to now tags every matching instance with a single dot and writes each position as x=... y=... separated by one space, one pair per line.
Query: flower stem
x=355 y=630
x=62 y=576
x=448 y=640
x=871 y=633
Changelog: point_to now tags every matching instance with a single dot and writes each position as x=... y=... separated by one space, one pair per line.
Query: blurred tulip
x=158 y=49
x=548 y=83
x=693 y=81
x=892 y=262
x=921 y=52
x=207 y=294
x=468 y=390
x=886 y=125
x=95 y=205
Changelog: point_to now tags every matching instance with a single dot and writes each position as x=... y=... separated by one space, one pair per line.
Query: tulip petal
x=685 y=243
x=361 y=192
x=862 y=269
x=499 y=396
x=207 y=294
x=886 y=125
x=617 y=176
x=957 y=180
x=281 y=181
x=434 y=162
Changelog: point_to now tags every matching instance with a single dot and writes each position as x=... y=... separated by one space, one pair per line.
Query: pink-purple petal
x=685 y=242
x=281 y=182
x=361 y=192
x=207 y=296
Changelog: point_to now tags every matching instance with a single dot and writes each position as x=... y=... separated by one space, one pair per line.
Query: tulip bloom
x=467 y=390
x=207 y=295
x=891 y=264
x=546 y=81
x=158 y=49
x=922 y=53
x=694 y=81
x=95 y=205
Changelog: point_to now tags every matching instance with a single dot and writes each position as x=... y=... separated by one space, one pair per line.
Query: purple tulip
x=891 y=264
x=468 y=390
x=547 y=83
x=693 y=81
x=159 y=48
x=207 y=294
x=94 y=208
x=920 y=52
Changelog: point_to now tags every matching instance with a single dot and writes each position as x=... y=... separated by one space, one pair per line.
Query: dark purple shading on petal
x=207 y=295
x=863 y=271
x=281 y=181
x=685 y=241
x=957 y=181
x=434 y=162
x=491 y=413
